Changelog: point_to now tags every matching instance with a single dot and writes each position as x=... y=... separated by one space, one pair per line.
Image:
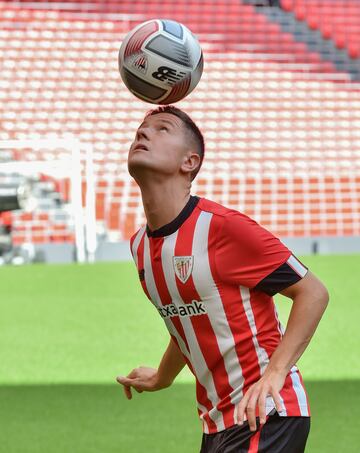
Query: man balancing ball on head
x=211 y=272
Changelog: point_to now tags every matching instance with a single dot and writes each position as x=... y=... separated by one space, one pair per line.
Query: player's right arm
x=145 y=379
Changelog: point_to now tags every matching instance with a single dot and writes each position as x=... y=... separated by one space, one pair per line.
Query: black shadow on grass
x=98 y=418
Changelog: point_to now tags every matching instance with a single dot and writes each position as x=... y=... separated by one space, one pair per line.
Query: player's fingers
x=138 y=384
x=262 y=407
x=251 y=411
x=126 y=387
x=241 y=410
x=133 y=374
x=278 y=403
x=124 y=380
x=127 y=391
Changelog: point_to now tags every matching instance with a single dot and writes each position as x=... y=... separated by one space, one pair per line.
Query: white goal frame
x=84 y=218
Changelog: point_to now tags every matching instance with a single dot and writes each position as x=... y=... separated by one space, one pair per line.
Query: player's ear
x=190 y=162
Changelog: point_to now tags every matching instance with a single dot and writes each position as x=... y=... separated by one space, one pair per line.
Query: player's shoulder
x=138 y=234
x=132 y=238
x=231 y=223
x=228 y=214
x=213 y=207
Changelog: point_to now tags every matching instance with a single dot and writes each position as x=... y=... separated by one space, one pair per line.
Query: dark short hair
x=190 y=127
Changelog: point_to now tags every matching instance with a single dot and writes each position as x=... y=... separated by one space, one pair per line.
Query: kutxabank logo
x=195 y=308
x=183 y=266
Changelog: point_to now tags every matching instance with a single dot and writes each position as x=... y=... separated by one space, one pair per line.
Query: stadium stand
x=281 y=122
x=338 y=20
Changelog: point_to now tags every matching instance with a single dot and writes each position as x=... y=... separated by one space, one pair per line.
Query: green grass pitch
x=67 y=331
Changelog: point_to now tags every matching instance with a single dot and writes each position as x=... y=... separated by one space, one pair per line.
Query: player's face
x=159 y=146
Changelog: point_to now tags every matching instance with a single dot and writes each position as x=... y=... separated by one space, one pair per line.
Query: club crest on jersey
x=183 y=266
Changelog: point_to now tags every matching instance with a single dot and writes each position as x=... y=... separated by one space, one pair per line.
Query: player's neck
x=163 y=203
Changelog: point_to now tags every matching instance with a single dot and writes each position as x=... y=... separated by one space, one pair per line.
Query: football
x=160 y=61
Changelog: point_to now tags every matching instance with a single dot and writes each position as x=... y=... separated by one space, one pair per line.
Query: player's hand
x=270 y=384
x=142 y=379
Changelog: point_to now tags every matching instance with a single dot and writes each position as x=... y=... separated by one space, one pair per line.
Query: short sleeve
x=134 y=244
x=246 y=252
x=284 y=276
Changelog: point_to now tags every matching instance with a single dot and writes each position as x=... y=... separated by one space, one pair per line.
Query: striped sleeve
x=134 y=244
x=284 y=276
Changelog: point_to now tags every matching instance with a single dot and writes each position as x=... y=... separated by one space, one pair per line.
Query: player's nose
x=143 y=133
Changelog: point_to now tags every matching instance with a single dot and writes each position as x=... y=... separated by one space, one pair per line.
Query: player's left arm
x=310 y=298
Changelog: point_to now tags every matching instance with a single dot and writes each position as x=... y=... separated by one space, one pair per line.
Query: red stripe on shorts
x=254 y=441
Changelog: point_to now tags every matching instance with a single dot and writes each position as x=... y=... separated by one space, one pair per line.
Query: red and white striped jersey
x=211 y=274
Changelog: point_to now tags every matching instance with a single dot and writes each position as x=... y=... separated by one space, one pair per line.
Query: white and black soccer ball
x=160 y=61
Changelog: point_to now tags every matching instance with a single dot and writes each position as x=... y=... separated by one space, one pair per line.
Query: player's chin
x=137 y=165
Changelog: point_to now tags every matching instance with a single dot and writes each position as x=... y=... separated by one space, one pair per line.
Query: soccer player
x=211 y=273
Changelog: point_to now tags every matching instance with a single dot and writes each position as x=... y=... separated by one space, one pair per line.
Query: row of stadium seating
x=336 y=19
x=266 y=111
x=211 y=9
x=290 y=206
x=238 y=31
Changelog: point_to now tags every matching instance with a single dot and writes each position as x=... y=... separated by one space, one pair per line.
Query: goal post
x=79 y=156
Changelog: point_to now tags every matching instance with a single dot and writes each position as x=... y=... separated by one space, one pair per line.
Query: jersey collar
x=175 y=224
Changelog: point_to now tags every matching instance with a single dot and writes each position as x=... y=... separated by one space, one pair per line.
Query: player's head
x=167 y=142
